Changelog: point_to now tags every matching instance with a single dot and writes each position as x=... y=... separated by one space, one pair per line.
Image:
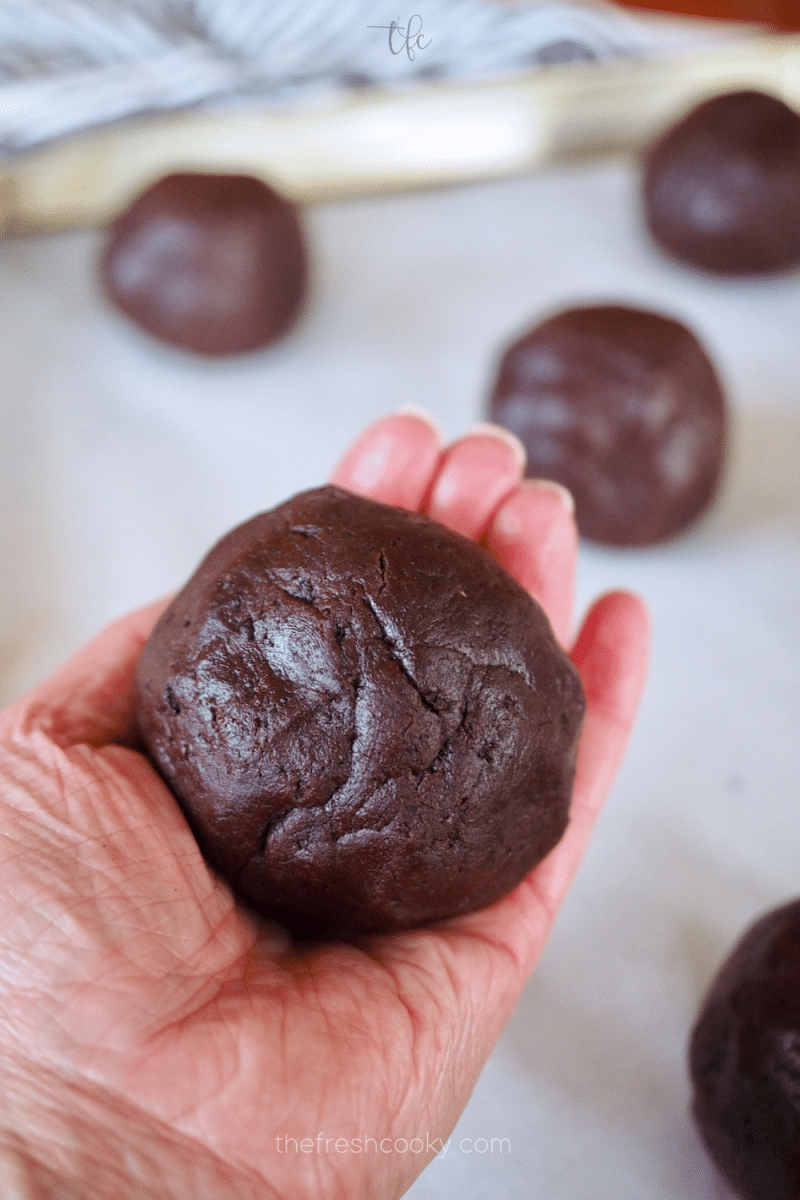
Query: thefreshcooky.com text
x=323 y=1144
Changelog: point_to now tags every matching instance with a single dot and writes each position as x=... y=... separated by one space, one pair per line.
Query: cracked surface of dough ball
x=366 y=720
x=624 y=408
x=744 y=1059
x=215 y=264
x=722 y=186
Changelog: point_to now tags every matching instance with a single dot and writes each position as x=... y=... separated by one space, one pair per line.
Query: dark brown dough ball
x=211 y=263
x=722 y=187
x=366 y=720
x=624 y=408
x=744 y=1059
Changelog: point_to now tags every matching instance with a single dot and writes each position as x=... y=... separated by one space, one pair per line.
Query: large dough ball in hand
x=367 y=721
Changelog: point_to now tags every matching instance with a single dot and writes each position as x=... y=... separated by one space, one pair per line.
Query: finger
x=475 y=474
x=611 y=653
x=91 y=698
x=533 y=535
x=394 y=460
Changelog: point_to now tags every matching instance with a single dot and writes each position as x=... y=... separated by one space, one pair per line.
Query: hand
x=156 y=1039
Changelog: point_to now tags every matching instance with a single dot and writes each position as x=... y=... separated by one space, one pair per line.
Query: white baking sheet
x=120 y=462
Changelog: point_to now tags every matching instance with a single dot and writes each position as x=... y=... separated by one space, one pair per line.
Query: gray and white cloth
x=66 y=65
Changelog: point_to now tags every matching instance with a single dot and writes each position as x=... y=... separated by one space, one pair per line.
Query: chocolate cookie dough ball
x=368 y=723
x=744 y=1059
x=210 y=263
x=722 y=187
x=624 y=408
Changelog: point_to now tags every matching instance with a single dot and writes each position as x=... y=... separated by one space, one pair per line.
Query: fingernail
x=484 y=429
x=412 y=410
x=557 y=489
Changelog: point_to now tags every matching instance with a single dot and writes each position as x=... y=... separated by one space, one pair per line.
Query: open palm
x=156 y=1039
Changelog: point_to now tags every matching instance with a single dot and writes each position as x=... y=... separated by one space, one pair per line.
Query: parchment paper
x=121 y=461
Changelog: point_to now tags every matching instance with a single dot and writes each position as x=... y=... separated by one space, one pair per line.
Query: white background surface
x=121 y=461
